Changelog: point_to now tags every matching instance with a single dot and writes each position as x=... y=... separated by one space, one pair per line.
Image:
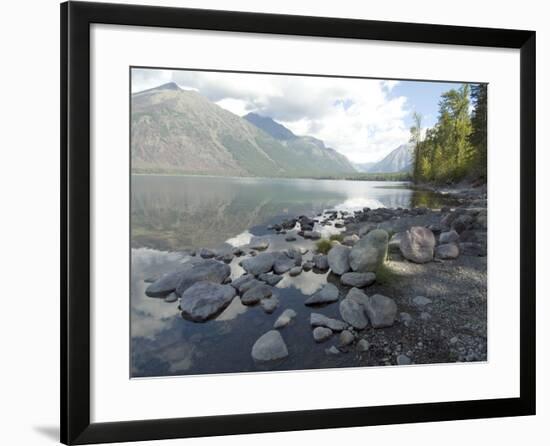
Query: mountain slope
x=308 y=150
x=398 y=160
x=180 y=131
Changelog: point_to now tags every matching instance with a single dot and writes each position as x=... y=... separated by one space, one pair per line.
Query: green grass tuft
x=323 y=246
x=385 y=275
x=337 y=237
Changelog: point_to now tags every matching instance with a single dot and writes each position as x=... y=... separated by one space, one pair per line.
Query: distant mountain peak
x=398 y=160
x=167 y=86
x=270 y=126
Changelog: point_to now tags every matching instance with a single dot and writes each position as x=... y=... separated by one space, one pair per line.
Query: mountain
x=307 y=148
x=269 y=126
x=180 y=131
x=398 y=160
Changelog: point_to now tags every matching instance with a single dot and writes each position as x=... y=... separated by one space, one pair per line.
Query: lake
x=173 y=213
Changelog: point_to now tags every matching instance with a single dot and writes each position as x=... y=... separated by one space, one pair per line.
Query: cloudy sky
x=364 y=119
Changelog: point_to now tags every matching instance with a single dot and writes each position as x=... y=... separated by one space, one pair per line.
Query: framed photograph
x=275 y=223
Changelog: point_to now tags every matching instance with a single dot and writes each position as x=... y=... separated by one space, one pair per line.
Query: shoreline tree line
x=455 y=149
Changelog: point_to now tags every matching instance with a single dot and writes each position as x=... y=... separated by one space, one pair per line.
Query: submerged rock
x=381 y=311
x=269 y=347
x=358 y=280
x=313 y=235
x=368 y=254
x=321 y=334
x=166 y=284
x=285 y=318
x=417 y=245
x=403 y=360
x=262 y=263
x=203 y=300
x=338 y=259
x=319 y=320
x=270 y=305
x=308 y=266
x=329 y=293
x=206 y=253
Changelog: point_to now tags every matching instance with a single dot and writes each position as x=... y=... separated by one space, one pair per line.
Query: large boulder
x=381 y=311
x=168 y=283
x=206 y=270
x=320 y=261
x=338 y=259
x=358 y=280
x=368 y=254
x=262 y=263
x=352 y=309
x=269 y=347
x=204 y=300
x=329 y=293
x=417 y=244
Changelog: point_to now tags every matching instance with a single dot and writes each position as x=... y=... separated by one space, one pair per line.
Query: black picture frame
x=76 y=18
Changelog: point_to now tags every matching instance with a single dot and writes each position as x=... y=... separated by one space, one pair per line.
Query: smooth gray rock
x=269 y=347
x=295 y=271
x=270 y=305
x=338 y=259
x=283 y=263
x=261 y=263
x=320 y=261
x=259 y=244
x=448 y=251
x=308 y=266
x=166 y=284
x=285 y=318
x=242 y=279
x=417 y=245
x=321 y=334
x=403 y=360
x=358 y=280
x=363 y=345
x=290 y=238
x=254 y=295
x=352 y=309
x=381 y=311
x=205 y=270
x=421 y=301
x=295 y=254
x=319 y=320
x=368 y=254
x=448 y=237
x=248 y=285
x=329 y=293
x=270 y=279
x=313 y=235
x=204 y=300
x=206 y=253
x=346 y=338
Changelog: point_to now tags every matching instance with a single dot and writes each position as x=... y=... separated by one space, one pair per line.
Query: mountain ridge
x=180 y=131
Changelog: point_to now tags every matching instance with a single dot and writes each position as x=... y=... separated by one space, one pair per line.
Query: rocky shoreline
x=409 y=284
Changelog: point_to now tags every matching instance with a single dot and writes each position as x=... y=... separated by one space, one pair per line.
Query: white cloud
x=357 y=117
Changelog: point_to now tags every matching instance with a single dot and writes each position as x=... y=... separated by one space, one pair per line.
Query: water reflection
x=170 y=214
x=177 y=212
